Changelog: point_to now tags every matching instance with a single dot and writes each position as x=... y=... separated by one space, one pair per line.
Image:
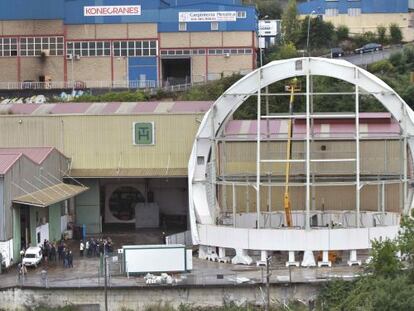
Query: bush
x=342 y=33
x=381 y=67
x=127 y=96
x=285 y=51
x=397 y=59
x=382 y=34
x=395 y=34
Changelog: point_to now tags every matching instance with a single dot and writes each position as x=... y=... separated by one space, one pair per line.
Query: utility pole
x=268 y=274
x=106 y=282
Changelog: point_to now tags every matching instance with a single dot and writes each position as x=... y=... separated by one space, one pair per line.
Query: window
x=8 y=47
x=241 y=14
x=36 y=45
x=182 y=26
x=331 y=12
x=354 y=11
x=135 y=48
x=89 y=48
x=214 y=26
x=230 y=51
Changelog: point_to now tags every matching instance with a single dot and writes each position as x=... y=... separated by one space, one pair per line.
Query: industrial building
x=113 y=43
x=127 y=168
x=364 y=15
x=310 y=182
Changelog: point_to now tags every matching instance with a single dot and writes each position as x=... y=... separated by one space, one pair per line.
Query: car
x=32 y=256
x=337 y=52
x=370 y=47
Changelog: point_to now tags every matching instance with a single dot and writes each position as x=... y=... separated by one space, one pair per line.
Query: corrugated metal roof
x=36 y=154
x=154 y=107
x=50 y=195
x=7 y=161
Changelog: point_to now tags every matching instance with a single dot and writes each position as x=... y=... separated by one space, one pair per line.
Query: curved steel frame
x=203 y=218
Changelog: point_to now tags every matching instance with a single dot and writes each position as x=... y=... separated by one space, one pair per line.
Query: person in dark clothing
x=70 y=259
x=53 y=253
x=60 y=251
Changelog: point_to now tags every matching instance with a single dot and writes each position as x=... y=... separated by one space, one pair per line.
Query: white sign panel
x=112 y=10
x=223 y=16
x=267 y=28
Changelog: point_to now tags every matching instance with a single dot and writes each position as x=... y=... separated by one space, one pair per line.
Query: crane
x=292 y=87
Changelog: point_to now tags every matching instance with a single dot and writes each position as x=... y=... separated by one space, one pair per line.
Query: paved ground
x=364 y=59
x=85 y=272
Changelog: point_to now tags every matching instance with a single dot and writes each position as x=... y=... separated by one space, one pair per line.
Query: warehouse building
x=126 y=166
x=118 y=44
x=364 y=15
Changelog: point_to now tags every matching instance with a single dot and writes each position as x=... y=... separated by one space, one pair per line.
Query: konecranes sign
x=112 y=10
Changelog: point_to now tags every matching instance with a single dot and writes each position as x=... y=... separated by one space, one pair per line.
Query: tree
x=342 y=33
x=384 y=262
x=321 y=33
x=290 y=23
x=284 y=51
x=395 y=34
x=382 y=34
x=269 y=8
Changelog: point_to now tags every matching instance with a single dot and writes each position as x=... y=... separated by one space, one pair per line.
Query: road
x=363 y=60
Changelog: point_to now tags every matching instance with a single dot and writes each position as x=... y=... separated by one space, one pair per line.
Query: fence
x=184 y=238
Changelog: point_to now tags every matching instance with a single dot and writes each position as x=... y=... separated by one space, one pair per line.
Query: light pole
x=260 y=42
x=307 y=38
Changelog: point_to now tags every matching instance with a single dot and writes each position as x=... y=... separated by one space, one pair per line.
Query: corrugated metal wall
x=325 y=198
x=105 y=142
x=377 y=157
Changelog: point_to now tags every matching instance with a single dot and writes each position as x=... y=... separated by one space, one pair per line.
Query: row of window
x=209 y=52
x=33 y=46
x=54 y=47
x=335 y=12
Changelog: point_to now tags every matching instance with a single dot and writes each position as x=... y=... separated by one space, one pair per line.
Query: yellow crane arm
x=286 y=198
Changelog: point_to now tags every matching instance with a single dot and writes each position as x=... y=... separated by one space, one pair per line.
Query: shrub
x=382 y=34
x=342 y=33
x=395 y=33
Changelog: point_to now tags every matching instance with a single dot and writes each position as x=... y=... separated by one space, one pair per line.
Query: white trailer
x=157 y=258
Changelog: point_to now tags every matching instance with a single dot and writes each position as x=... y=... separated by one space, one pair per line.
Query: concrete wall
x=369 y=22
x=140 y=298
x=206 y=39
x=111 y=31
x=31 y=27
x=90 y=69
x=221 y=65
x=87 y=207
x=54 y=222
x=33 y=67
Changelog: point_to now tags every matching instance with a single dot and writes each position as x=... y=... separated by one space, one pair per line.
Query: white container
x=157 y=258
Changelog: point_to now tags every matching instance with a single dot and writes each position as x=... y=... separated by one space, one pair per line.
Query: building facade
x=364 y=15
x=116 y=43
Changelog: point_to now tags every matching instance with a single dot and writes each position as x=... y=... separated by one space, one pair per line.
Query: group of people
x=95 y=247
x=53 y=252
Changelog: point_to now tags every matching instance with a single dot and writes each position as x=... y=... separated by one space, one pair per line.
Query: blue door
x=142 y=72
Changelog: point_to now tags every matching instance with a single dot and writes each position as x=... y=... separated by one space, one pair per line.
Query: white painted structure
x=157 y=258
x=253 y=234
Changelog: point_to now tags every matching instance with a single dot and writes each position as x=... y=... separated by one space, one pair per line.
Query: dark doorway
x=25 y=226
x=176 y=71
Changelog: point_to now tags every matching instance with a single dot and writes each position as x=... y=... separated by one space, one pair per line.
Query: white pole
x=308 y=203
x=259 y=112
x=405 y=166
x=358 y=168
x=234 y=204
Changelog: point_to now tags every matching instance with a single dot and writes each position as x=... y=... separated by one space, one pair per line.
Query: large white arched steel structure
x=203 y=213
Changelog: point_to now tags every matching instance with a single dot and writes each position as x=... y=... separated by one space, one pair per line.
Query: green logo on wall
x=144 y=133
